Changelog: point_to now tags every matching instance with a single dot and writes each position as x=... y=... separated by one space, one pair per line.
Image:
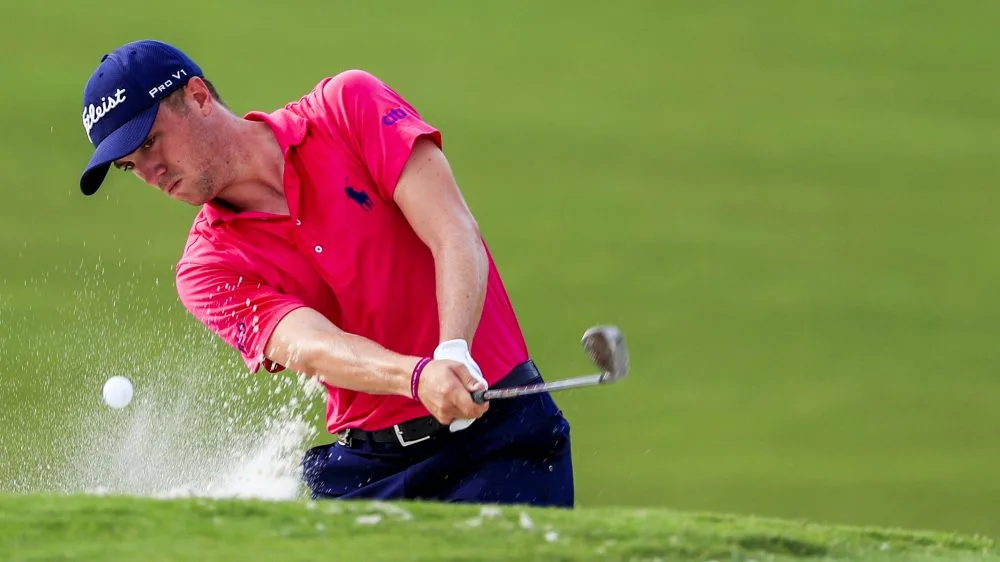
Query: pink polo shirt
x=345 y=249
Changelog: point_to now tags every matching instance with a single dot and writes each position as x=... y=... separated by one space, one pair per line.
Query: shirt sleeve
x=239 y=309
x=377 y=122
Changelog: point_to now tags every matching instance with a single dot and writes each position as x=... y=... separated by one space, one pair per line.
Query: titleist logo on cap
x=92 y=114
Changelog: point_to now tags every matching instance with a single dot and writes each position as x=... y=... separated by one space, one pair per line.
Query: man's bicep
x=298 y=337
x=430 y=199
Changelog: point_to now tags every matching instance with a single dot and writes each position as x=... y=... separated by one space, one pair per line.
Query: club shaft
x=514 y=391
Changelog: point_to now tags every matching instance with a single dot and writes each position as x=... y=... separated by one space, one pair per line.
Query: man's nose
x=151 y=171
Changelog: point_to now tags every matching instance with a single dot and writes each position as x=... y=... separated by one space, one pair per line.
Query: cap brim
x=124 y=141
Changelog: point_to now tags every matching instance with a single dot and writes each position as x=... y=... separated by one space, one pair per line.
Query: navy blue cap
x=122 y=97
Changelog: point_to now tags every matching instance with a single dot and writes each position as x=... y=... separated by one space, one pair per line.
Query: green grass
x=789 y=207
x=118 y=528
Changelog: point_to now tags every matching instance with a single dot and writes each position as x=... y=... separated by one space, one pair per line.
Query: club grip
x=479 y=396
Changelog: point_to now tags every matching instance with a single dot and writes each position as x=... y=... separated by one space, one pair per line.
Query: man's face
x=180 y=154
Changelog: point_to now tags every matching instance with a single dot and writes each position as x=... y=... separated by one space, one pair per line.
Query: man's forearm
x=357 y=363
x=306 y=342
x=462 y=269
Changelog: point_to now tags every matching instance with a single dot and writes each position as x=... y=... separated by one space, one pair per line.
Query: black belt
x=421 y=429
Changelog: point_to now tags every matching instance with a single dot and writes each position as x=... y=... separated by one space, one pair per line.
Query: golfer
x=332 y=240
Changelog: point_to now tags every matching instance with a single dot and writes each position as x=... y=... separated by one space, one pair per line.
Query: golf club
x=605 y=345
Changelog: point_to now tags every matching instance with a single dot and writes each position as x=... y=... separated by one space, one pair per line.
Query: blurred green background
x=789 y=207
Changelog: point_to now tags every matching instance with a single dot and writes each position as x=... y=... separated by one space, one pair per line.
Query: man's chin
x=191 y=199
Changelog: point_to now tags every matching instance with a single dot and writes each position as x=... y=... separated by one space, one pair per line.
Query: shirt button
x=319 y=249
x=298 y=222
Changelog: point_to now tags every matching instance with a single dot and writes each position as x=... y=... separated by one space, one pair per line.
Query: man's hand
x=446 y=388
x=458 y=350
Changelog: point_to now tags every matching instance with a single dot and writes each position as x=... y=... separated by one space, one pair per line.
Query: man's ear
x=199 y=92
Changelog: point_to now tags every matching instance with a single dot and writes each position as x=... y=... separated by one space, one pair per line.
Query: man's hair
x=175 y=99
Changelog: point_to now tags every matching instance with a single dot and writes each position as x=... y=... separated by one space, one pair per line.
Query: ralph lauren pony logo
x=359 y=196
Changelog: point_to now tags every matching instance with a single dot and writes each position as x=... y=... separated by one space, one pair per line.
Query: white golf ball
x=118 y=392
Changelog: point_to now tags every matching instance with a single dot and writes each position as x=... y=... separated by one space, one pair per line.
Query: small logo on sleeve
x=359 y=196
x=394 y=116
x=241 y=337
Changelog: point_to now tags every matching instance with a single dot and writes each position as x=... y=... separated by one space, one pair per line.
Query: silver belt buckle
x=404 y=442
x=345 y=438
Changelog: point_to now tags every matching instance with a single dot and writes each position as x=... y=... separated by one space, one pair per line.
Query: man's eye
x=125 y=167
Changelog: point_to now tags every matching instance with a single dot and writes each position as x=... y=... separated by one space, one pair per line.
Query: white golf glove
x=458 y=350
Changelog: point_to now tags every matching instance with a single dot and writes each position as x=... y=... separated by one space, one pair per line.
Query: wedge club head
x=605 y=345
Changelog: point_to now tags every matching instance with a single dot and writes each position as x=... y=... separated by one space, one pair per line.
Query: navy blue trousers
x=517 y=453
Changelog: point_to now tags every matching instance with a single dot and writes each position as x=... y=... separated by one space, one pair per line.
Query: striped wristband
x=415 y=377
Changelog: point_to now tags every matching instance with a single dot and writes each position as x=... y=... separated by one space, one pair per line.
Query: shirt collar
x=289 y=129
